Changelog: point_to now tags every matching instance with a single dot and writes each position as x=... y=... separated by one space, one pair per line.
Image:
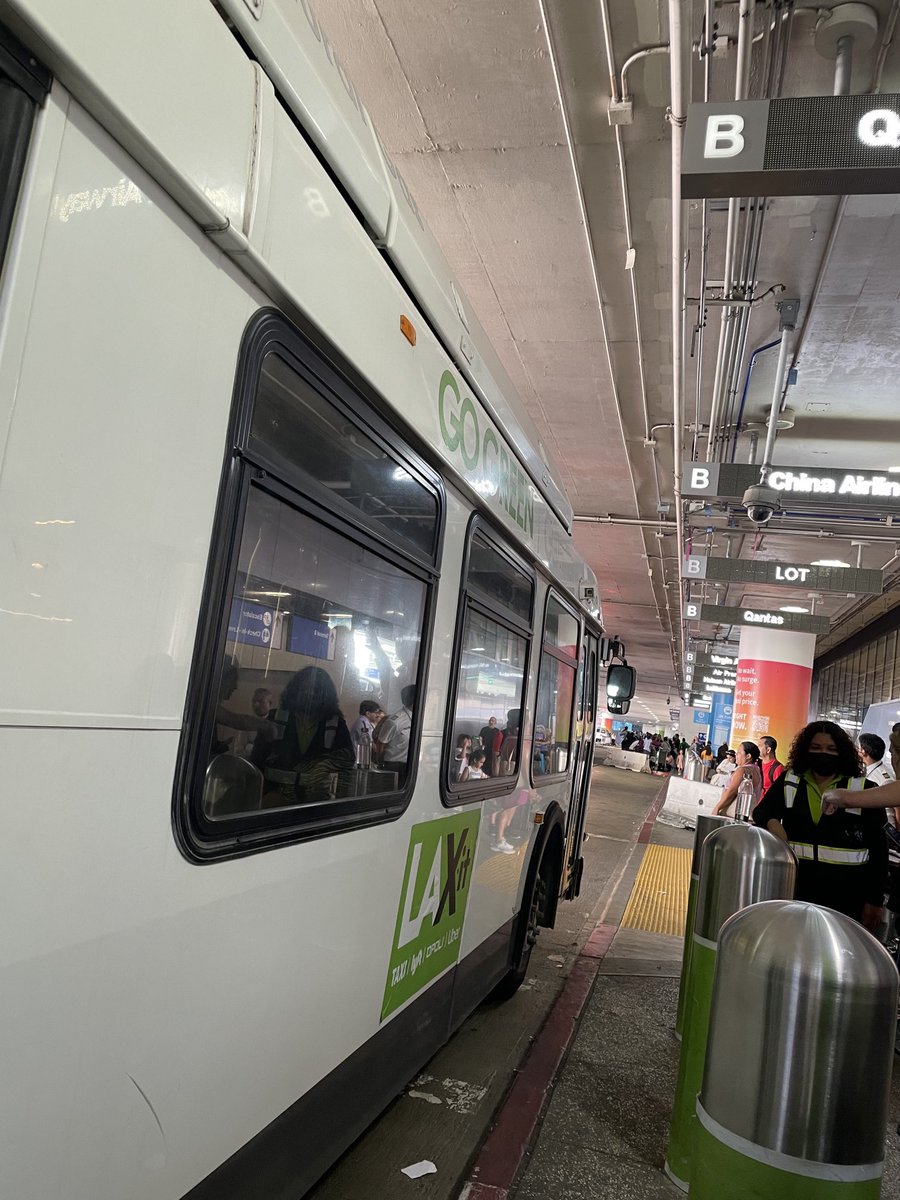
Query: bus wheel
x=526 y=934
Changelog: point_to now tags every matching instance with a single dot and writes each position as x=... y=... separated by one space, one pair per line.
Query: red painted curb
x=647 y=827
x=501 y=1155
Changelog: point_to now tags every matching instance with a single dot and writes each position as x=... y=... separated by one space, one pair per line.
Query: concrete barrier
x=629 y=760
x=690 y=799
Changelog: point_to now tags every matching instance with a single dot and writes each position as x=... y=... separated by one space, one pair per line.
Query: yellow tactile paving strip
x=658 y=901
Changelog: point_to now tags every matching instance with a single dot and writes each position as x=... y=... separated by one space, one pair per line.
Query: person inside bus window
x=314 y=746
x=233 y=720
x=475 y=769
x=509 y=748
x=460 y=763
x=491 y=739
x=394 y=735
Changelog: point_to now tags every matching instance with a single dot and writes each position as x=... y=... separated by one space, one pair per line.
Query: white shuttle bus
x=261 y=475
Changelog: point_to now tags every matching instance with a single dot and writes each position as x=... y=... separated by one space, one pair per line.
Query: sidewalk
x=605 y=1129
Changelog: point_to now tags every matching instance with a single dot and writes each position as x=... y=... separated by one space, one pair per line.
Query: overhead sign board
x=792 y=146
x=811 y=486
x=817 y=579
x=722 y=614
x=716 y=658
x=705 y=666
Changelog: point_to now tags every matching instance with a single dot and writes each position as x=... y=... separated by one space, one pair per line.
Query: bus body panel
x=156 y=1015
x=187 y=115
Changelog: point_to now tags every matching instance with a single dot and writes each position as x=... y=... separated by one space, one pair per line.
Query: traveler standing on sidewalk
x=772 y=769
x=842 y=853
x=747 y=759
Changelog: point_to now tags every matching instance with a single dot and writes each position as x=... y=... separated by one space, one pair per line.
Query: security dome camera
x=760 y=503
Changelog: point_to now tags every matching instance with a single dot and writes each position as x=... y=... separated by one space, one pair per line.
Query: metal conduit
x=726 y=331
x=626 y=207
x=678 y=116
x=592 y=258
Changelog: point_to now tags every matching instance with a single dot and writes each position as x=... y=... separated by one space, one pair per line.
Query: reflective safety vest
x=825 y=854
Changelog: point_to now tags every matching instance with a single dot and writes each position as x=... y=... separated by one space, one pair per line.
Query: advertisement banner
x=773 y=687
x=429 y=926
x=721 y=716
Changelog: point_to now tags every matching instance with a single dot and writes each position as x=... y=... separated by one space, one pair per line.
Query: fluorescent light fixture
x=793 y=608
x=893 y=470
x=267 y=593
x=829 y=562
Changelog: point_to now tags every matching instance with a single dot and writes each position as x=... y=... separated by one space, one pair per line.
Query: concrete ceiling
x=464 y=94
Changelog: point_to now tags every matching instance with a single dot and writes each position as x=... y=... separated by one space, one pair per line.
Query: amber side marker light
x=408 y=330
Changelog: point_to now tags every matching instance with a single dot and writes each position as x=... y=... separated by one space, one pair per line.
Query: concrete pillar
x=774 y=677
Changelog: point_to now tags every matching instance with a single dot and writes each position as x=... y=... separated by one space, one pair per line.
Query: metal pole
x=776 y=405
x=677 y=118
x=843 y=65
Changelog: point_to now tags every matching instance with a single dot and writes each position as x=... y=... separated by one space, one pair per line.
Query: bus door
x=581 y=775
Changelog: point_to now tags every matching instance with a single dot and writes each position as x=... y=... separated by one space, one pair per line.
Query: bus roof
x=295 y=53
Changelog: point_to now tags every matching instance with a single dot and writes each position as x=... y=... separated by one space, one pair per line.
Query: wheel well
x=550 y=862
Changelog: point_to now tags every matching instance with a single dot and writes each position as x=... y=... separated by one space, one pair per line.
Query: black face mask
x=823 y=764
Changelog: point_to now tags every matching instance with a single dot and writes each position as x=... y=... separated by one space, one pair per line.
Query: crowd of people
x=836 y=803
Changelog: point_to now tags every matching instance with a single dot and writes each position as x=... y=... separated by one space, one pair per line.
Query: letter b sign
x=724 y=138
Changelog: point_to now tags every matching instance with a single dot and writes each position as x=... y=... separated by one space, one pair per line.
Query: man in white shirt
x=871 y=751
x=362 y=731
x=394 y=732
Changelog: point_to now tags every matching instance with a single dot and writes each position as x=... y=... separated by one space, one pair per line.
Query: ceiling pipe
x=749 y=372
x=726 y=330
x=643 y=522
x=772 y=430
x=663 y=48
x=616 y=96
x=679 y=43
x=592 y=257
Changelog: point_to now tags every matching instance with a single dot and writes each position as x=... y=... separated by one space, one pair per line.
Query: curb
x=500 y=1157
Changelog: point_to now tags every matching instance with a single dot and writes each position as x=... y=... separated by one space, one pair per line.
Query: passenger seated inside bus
x=460 y=765
x=314 y=745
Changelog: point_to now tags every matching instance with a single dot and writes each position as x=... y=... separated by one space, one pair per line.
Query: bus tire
x=534 y=907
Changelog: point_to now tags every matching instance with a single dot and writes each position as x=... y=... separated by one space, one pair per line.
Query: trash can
x=795 y=1091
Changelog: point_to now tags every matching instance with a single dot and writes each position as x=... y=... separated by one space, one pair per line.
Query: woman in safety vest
x=841 y=854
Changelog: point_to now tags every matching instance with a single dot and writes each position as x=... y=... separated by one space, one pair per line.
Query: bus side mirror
x=620 y=682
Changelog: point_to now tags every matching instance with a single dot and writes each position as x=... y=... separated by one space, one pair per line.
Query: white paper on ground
x=420 y=1168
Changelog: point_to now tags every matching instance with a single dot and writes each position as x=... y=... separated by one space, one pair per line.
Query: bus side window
x=492 y=661
x=305 y=715
x=556 y=691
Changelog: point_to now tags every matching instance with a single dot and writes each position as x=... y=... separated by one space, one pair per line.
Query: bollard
x=795 y=1091
x=740 y=865
x=705 y=825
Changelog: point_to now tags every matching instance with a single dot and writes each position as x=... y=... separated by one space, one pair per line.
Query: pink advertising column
x=774 y=677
